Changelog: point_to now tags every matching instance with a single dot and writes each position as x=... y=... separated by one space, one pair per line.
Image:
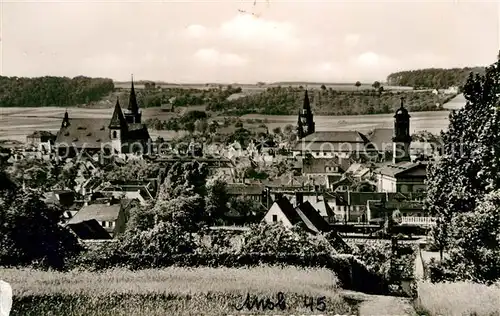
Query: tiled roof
x=323 y=207
x=381 y=138
x=244 y=189
x=397 y=205
x=396 y=169
x=361 y=198
x=87 y=132
x=331 y=146
x=92 y=133
x=318 y=165
x=337 y=137
x=309 y=214
x=89 y=229
x=99 y=212
x=38 y=134
x=288 y=210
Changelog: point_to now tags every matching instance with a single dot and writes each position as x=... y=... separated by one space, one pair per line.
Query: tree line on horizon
x=52 y=91
x=433 y=78
x=279 y=100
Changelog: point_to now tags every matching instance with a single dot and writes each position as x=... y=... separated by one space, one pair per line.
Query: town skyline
x=272 y=41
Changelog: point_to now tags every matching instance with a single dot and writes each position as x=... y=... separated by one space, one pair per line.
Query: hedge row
x=352 y=273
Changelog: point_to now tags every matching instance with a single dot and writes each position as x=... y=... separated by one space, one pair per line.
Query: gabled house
x=404 y=177
x=89 y=230
x=252 y=191
x=138 y=190
x=352 y=206
x=111 y=214
x=282 y=211
x=332 y=168
x=411 y=213
x=342 y=185
x=41 y=140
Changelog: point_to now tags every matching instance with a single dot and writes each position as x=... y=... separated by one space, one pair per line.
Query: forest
x=52 y=91
x=433 y=78
x=287 y=101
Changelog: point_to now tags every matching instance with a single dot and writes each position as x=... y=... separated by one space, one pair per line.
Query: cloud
x=213 y=57
x=368 y=59
x=252 y=30
x=196 y=30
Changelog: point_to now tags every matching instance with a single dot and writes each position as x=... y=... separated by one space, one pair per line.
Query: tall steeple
x=133 y=114
x=307 y=116
x=132 y=101
x=118 y=119
x=402 y=138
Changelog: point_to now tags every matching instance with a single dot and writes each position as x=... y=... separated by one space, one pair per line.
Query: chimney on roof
x=299 y=198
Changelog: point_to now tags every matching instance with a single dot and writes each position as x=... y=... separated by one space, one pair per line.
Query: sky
x=229 y=41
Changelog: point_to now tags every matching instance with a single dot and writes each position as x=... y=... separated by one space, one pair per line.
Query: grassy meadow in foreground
x=170 y=291
x=459 y=299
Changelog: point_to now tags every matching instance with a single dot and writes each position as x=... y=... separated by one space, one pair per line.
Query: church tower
x=117 y=128
x=133 y=114
x=402 y=138
x=300 y=127
x=306 y=118
x=65 y=122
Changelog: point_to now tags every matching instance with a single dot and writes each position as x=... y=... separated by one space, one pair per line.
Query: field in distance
x=170 y=291
x=257 y=87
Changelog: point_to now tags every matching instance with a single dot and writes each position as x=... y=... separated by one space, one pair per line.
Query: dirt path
x=378 y=305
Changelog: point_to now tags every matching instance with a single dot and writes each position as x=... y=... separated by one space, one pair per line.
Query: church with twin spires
x=124 y=133
x=343 y=144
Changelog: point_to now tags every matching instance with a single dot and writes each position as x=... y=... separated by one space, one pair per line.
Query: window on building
x=275 y=218
x=103 y=224
x=114 y=134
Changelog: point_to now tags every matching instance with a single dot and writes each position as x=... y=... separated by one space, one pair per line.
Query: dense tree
x=251 y=211
x=286 y=101
x=52 y=91
x=132 y=170
x=470 y=165
x=165 y=238
x=434 y=78
x=187 y=212
x=30 y=232
x=217 y=200
x=184 y=179
x=278 y=239
x=357 y=84
x=474 y=252
x=376 y=85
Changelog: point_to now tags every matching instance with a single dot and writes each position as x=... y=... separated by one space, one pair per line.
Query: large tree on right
x=470 y=166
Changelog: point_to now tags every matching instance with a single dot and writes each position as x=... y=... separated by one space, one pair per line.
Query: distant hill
x=288 y=100
x=52 y=91
x=433 y=78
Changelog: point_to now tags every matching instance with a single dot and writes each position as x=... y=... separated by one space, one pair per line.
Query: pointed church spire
x=132 y=101
x=306 y=105
x=118 y=119
x=307 y=115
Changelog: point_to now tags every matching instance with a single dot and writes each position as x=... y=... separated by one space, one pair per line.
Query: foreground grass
x=460 y=298
x=170 y=291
